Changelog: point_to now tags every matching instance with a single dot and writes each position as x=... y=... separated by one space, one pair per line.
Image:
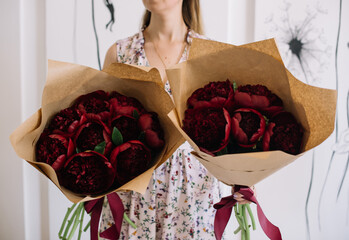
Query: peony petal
x=152 y=139
x=267 y=135
x=218 y=101
x=227 y=129
x=128 y=110
x=272 y=110
x=204 y=104
x=59 y=163
x=59 y=137
x=259 y=102
x=242 y=99
x=71 y=148
x=73 y=126
x=238 y=134
x=145 y=121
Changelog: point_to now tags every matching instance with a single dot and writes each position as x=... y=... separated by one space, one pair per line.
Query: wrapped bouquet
x=247 y=119
x=98 y=133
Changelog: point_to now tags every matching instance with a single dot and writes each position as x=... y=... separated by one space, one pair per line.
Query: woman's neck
x=168 y=27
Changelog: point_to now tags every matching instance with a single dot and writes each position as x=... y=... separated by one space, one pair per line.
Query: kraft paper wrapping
x=65 y=82
x=255 y=63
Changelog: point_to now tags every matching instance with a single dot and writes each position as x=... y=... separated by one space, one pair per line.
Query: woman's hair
x=191 y=16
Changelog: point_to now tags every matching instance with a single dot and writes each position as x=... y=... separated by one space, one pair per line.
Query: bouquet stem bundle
x=69 y=226
x=241 y=211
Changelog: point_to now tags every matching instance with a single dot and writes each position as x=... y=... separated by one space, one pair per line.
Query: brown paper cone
x=256 y=63
x=66 y=81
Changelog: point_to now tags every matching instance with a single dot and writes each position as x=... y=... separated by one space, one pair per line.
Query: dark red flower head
x=95 y=105
x=214 y=94
x=128 y=127
x=283 y=133
x=87 y=173
x=258 y=97
x=92 y=133
x=154 y=134
x=247 y=126
x=130 y=159
x=123 y=105
x=53 y=149
x=209 y=128
x=67 y=121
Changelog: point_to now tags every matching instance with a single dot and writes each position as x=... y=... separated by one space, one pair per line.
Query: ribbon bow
x=117 y=209
x=224 y=209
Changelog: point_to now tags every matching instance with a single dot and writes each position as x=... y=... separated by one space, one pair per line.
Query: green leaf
x=266 y=120
x=222 y=152
x=141 y=136
x=100 y=147
x=77 y=150
x=117 y=137
x=135 y=114
x=235 y=86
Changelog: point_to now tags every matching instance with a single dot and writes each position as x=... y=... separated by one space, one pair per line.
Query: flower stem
x=246 y=222
x=129 y=221
x=77 y=221
x=243 y=235
x=251 y=216
x=81 y=222
x=71 y=220
x=241 y=221
x=241 y=217
x=237 y=230
x=70 y=209
x=238 y=218
x=87 y=226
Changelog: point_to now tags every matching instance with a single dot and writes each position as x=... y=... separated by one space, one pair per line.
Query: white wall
x=11 y=179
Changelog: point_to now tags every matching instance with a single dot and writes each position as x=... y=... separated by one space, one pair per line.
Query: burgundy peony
x=154 y=134
x=92 y=133
x=283 y=133
x=87 y=173
x=67 y=121
x=247 y=126
x=53 y=149
x=258 y=97
x=128 y=127
x=214 y=94
x=122 y=105
x=130 y=160
x=95 y=105
x=209 y=128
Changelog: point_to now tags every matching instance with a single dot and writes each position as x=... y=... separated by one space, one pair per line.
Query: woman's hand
x=239 y=197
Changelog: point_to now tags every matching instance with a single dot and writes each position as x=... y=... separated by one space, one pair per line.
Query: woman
x=179 y=200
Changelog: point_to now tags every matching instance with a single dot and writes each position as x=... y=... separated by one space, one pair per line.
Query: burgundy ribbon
x=117 y=209
x=224 y=209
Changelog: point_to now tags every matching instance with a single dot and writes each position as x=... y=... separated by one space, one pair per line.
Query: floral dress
x=178 y=203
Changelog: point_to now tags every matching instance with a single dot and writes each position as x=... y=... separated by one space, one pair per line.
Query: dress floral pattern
x=178 y=203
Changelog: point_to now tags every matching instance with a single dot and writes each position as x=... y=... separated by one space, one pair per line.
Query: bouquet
x=256 y=65
x=102 y=140
x=223 y=119
x=98 y=133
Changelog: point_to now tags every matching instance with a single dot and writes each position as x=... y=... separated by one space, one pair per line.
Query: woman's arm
x=110 y=56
